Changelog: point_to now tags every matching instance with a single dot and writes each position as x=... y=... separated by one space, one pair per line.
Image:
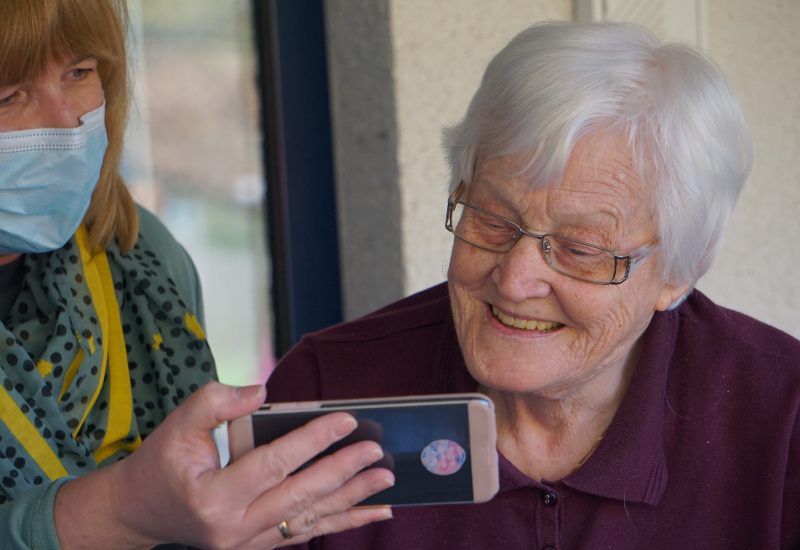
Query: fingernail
x=344 y=427
x=372 y=456
x=247 y=393
x=383 y=483
x=386 y=511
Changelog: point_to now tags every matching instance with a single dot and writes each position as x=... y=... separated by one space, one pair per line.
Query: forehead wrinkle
x=607 y=161
x=535 y=209
x=600 y=191
x=603 y=170
x=493 y=181
x=606 y=223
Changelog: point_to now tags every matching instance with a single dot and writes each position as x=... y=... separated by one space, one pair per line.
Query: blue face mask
x=46 y=181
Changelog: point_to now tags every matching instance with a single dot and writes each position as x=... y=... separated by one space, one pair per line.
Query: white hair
x=557 y=82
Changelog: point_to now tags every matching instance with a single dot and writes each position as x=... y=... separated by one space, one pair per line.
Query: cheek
x=468 y=275
x=92 y=96
x=470 y=319
x=465 y=305
x=99 y=94
x=601 y=319
x=609 y=327
x=469 y=266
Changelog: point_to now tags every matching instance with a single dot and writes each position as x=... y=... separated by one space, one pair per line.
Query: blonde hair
x=34 y=31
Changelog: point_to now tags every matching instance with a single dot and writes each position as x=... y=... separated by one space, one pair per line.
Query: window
x=193 y=157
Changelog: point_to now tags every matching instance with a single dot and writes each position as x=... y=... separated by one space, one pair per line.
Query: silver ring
x=284 y=529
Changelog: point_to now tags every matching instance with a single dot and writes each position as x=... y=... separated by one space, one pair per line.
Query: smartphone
x=441 y=448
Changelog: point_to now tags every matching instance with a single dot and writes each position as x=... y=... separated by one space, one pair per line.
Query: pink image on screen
x=443 y=457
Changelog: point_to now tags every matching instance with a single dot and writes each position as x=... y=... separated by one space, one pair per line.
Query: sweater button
x=548 y=547
x=550 y=499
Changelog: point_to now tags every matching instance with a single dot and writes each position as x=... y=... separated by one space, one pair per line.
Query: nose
x=58 y=110
x=522 y=273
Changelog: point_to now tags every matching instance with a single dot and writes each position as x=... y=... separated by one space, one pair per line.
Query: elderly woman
x=101 y=339
x=593 y=177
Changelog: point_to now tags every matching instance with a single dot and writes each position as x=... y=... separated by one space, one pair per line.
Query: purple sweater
x=704 y=451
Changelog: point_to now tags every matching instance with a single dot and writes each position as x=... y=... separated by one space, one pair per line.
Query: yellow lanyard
x=115 y=358
x=114 y=365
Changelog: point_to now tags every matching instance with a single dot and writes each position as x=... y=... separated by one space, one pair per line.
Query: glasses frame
x=631 y=260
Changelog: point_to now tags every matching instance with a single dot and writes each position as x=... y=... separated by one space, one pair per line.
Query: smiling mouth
x=525 y=324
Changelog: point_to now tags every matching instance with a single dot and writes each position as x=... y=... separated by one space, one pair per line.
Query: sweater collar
x=630 y=462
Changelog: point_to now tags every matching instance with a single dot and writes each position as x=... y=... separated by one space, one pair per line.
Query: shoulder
x=160 y=241
x=732 y=398
x=721 y=352
x=734 y=333
x=408 y=347
x=156 y=239
x=427 y=308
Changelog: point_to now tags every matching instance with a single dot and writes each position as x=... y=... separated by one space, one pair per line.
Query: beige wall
x=757 y=44
x=440 y=55
x=419 y=61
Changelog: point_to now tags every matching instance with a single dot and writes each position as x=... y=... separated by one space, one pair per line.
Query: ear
x=669 y=294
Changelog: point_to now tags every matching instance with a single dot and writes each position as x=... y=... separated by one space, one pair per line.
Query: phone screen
x=427 y=446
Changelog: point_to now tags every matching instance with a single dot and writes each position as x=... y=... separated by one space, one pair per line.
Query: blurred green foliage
x=197 y=20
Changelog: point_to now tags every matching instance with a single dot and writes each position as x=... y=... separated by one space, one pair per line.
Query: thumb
x=216 y=403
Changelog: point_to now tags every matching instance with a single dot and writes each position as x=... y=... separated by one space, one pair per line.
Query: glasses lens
x=572 y=258
x=481 y=229
x=579 y=260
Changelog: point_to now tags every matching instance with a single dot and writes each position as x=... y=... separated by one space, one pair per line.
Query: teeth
x=541 y=326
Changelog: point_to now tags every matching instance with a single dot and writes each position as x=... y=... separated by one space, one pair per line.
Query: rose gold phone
x=441 y=448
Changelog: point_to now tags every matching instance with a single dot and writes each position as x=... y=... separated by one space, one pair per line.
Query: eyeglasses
x=582 y=261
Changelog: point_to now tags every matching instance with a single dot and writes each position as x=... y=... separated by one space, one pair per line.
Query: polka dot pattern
x=51 y=353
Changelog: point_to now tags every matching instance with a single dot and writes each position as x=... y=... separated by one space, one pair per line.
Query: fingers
x=332 y=512
x=216 y=403
x=350 y=519
x=343 y=521
x=310 y=509
x=326 y=487
x=242 y=504
x=267 y=466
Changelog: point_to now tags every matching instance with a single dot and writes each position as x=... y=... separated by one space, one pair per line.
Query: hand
x=173 y=490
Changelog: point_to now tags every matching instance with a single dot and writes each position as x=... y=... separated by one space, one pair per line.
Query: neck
x=549 y=437
x=8 y=258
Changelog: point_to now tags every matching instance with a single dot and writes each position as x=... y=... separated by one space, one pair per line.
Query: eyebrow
x=79 y=59
x=604 y=225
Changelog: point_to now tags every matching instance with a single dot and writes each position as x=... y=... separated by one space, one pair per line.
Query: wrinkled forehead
x=598 y=187
x=606 y=156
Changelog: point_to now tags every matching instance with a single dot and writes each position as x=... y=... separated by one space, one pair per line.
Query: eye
x=6 y=98
x=570 y=251
x=79 y=73
x=582 y=251
x=82 y=68
x=493 y=223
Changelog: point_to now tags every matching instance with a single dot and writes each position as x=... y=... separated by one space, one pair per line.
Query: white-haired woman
x=593 y=177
